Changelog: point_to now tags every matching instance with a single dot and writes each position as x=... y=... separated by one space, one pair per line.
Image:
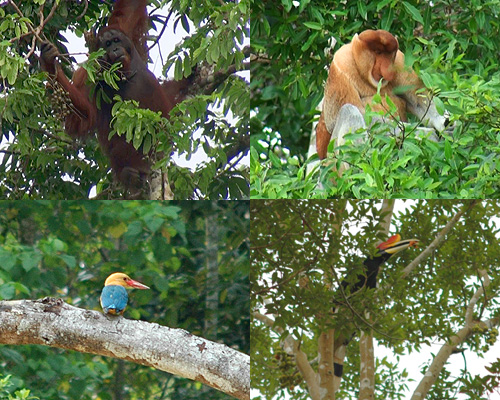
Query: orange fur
x=131 y=17
x=354 y=76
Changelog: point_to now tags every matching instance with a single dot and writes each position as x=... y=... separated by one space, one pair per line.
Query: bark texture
x=51 y=322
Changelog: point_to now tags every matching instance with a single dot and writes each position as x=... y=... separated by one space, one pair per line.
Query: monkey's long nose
x=387 y=70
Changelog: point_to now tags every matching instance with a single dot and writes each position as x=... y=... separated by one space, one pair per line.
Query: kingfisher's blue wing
x=114 y=299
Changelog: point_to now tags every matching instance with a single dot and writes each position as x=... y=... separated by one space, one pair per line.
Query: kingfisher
x=114 y=295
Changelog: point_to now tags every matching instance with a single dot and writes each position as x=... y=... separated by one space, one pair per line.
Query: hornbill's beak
x=394 y=245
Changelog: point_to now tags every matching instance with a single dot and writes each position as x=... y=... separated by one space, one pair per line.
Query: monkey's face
x=374 y=54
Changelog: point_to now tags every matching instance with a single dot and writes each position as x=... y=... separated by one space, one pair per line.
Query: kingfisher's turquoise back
x=114 y=299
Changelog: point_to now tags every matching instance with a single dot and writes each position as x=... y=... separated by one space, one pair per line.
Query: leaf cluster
x=454 y=50
x=67 y=249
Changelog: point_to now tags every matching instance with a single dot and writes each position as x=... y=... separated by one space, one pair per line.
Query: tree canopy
x=454 y=48
x=193 y=255
x=443 y=293
x=40 y=161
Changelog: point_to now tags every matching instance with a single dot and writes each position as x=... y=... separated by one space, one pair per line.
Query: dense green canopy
x=454 y=47
x=300 y=251
x=67 y=249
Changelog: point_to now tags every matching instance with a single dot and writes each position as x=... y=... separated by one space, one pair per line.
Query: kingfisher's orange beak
x=136 y=285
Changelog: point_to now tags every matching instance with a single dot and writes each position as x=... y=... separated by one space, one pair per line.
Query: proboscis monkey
x=354 y=76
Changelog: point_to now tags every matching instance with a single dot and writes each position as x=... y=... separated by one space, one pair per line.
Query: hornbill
x=366 y=278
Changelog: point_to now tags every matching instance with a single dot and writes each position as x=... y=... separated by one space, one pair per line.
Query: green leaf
x=7 y=260
x=7 y=291
x=30 y=259
x=412 y=147
x=447 y=150
x=70 y=261
x=375 y=159
x=379 y=180
x=313 y=25
x=439 y=105
x=415 y=13
x=147 y=144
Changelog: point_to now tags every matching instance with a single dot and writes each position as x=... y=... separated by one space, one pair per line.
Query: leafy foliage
x=67 y=249
x=298 y=260
x=454 y=49
x=40 y=161
x=22 y=394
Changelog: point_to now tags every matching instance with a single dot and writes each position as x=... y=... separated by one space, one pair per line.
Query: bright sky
x=413 y=362
x=167 y=44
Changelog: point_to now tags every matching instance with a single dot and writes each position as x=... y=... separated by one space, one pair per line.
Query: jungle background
x=38 y=159
x=301 y=249
x=193 y=255
x=453 y=46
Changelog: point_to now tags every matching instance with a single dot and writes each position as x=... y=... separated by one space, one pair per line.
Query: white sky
x=166 y=44
x=413 y=362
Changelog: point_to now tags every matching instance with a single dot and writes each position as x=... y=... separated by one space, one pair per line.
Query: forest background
x=193 y=255
x=453 y=46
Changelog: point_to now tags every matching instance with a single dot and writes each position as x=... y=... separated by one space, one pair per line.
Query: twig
x=447 y=349
x=84 y=10
x=439 y=238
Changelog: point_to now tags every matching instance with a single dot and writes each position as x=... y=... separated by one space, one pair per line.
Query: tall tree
x=445 y=293
x=210 y=129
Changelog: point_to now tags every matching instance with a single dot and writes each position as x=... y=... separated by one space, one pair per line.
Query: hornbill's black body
x=367 y=278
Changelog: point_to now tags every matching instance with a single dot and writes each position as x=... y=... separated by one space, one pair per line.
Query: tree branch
x=446 y=350
x=388 y=210
x=331 y=350
x=266 y=320
x=326 y=345
x=51 y=322
x=479 y=293
x=291 y=346
x=439 y=238
x=366 y=348
x=367 y=366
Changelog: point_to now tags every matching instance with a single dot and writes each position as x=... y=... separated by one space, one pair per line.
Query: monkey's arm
x=82 y=119
x=418 y=102
x=338 y=92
